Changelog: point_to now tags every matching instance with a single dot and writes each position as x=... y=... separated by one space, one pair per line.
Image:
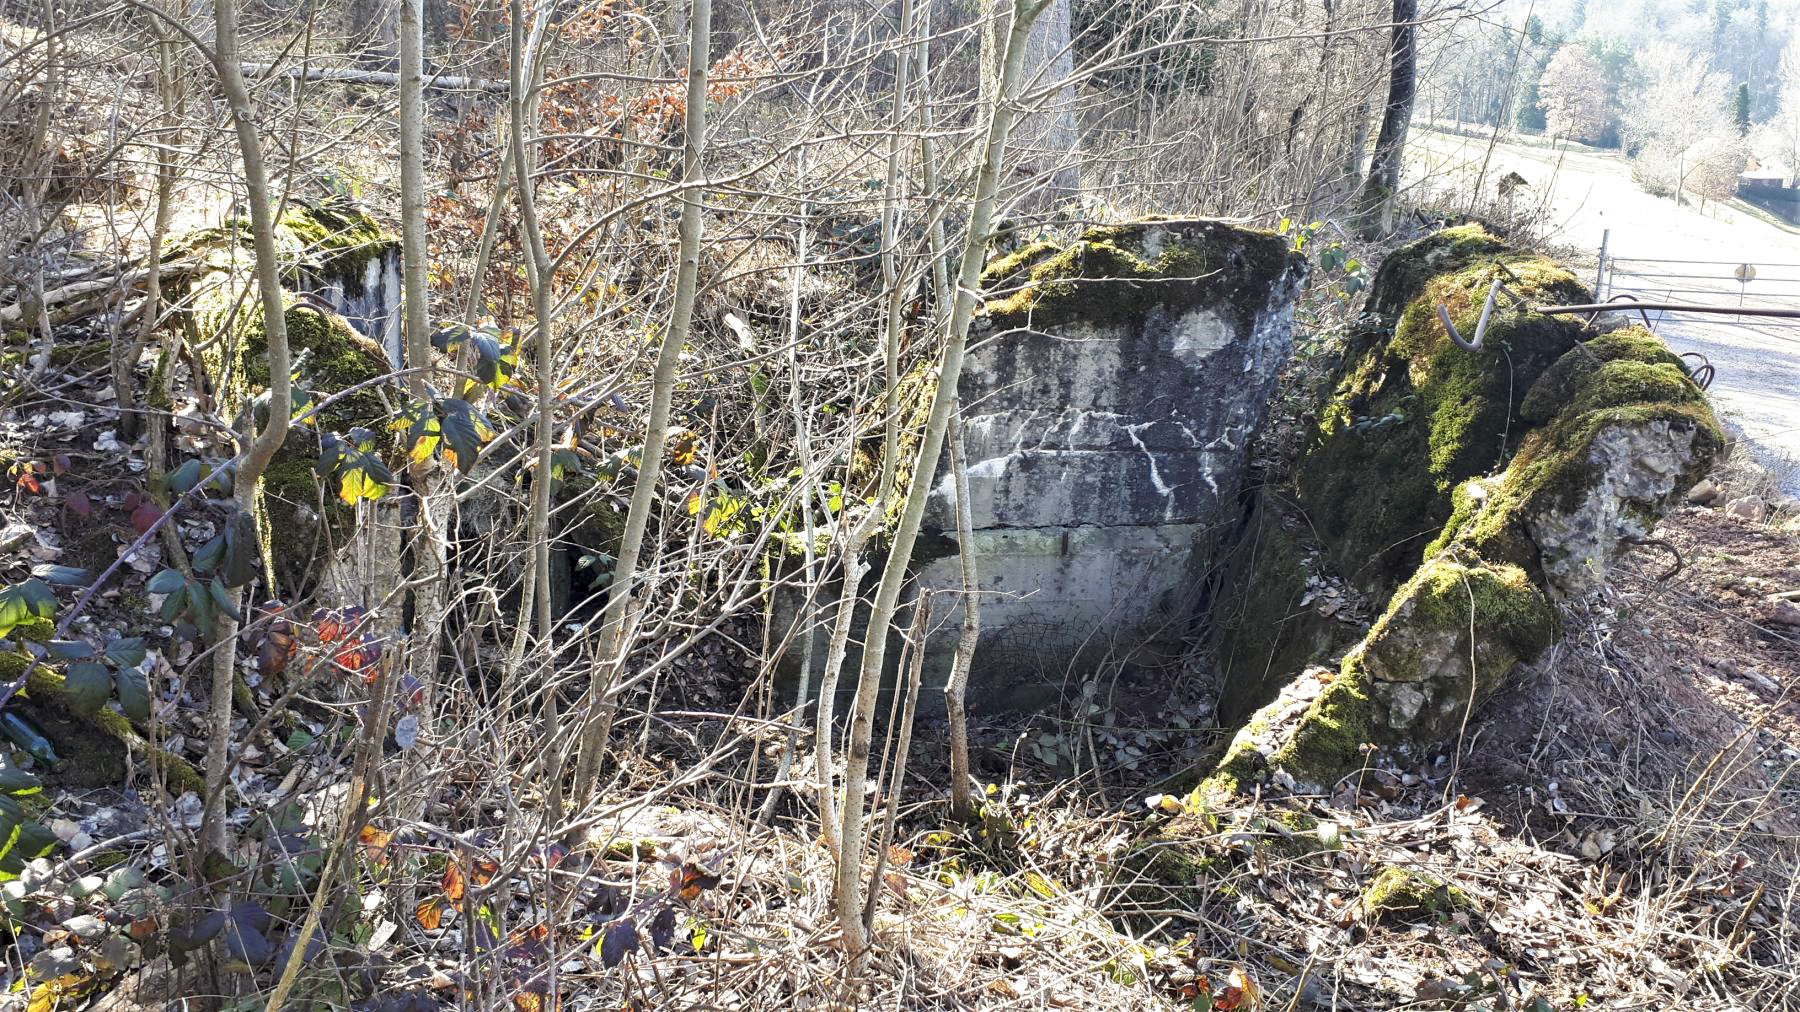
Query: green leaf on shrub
x=61 y=576
x=210 y=555
x=185 y=477
x=70 y=650
x=87 y=686
x=128 y=652
x=243 y=550
x=134 y=693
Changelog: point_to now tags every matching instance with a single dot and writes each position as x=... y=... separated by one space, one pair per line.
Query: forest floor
x=1581 y=194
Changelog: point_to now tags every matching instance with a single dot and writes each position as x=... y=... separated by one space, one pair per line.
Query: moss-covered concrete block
x=332 y=244
x=1489 y=485
x=1111 y=393
x=1411 y=415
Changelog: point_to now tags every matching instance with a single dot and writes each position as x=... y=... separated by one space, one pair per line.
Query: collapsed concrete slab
x=1467 y=492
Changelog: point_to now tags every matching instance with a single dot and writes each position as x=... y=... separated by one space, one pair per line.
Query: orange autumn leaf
x=374 y=842
x=430 y=913
x=454 y=882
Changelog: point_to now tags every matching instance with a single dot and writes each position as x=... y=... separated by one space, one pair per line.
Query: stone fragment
x=1750 y=507
x=1784 y=613
x=1703 y=493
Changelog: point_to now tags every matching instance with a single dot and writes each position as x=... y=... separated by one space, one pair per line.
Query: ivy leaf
x=210 y=555
x=60 y=576
x=134 y=693
x=185 y=477
x=87 y=686
x=165 y=582
x=79 y=503
x=243 y=550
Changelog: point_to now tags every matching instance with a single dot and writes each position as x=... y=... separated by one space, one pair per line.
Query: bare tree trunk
x=1383 y=180
x=848 y=892
x=261 y=446
x=377 y=19
x=962 y=802
x=125 y=353
x=429 y=548
x=613 y=639
x=538 y=524
x=1045 y=139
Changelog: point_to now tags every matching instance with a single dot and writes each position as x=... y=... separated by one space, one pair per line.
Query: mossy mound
x=1526 y=466
x=299 y=519
x=1399 y=894
x=1120 y=272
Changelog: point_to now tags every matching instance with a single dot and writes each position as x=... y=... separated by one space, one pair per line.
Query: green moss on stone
x=1332 y=733
x=1400 y=894
x=1414 y=416
x=1012 y=266
x=1404 y=272
x=1170 y=871
x=93 y=747
x=333 y=240
x=1111 y=274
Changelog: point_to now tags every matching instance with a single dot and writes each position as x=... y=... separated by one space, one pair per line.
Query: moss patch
x=93 y=747
x=1398 y=895
x=1404 y=273
x=1120 y=272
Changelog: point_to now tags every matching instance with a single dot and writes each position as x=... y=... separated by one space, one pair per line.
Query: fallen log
x=352 y=75
x=82 y=298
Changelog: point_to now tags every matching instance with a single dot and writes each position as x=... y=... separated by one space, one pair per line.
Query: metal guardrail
x=1762 y=296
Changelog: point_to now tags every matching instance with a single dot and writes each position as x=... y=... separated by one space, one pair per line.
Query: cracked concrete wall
x=1107 y=426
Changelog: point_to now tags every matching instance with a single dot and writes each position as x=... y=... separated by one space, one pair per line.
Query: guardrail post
x=1600 y=274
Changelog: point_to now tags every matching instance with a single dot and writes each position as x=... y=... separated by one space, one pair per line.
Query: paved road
x=1586 y=193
